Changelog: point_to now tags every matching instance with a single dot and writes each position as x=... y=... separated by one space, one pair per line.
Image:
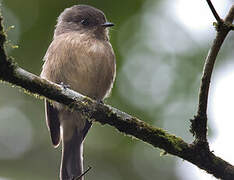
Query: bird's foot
x=65 y=86
x=100 y=101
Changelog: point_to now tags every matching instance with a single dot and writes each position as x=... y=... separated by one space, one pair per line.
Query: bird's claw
x=100 y=101
x=65 y=86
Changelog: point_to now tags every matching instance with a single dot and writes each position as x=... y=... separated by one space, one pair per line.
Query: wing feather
x=53 y=124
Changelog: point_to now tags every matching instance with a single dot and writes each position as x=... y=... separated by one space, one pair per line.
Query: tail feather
x=72 y=158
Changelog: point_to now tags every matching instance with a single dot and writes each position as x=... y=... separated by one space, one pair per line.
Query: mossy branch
x=104 y=114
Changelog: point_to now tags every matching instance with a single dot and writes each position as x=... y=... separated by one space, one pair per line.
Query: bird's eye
x=85 y=22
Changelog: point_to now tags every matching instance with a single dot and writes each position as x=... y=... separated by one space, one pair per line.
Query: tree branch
x=216 y=15
x=199 y=123
x=129 y=125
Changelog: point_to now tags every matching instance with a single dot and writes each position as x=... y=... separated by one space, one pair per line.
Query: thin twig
x=229 y=18
x=216 y=15
x=77 y=178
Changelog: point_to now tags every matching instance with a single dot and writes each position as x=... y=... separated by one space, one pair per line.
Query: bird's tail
x=72 y=158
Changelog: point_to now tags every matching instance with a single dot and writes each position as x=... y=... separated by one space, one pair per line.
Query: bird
x=81 y=57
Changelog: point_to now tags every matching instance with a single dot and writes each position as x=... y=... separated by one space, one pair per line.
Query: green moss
x=163 y=153
x=109 y=114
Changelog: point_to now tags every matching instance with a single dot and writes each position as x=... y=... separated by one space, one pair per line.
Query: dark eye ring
x=85 y=22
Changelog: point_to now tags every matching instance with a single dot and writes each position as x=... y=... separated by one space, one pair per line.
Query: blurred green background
x=159 y=64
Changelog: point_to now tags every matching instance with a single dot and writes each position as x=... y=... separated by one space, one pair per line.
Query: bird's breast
x=86 y=64
x=92 y=69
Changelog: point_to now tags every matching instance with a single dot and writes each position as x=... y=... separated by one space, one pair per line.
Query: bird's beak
x=107 y=24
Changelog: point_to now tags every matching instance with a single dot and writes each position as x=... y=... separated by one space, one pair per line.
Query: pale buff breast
x=86 y=64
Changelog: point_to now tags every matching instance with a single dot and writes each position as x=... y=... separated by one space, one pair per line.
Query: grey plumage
x=82 y=57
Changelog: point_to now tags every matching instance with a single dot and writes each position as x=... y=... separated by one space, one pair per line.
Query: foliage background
x=159 y=64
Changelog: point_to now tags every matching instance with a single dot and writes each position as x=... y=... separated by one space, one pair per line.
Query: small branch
x=216 y=15
x=199 y=123
x=77 y=178
x=229 y=18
